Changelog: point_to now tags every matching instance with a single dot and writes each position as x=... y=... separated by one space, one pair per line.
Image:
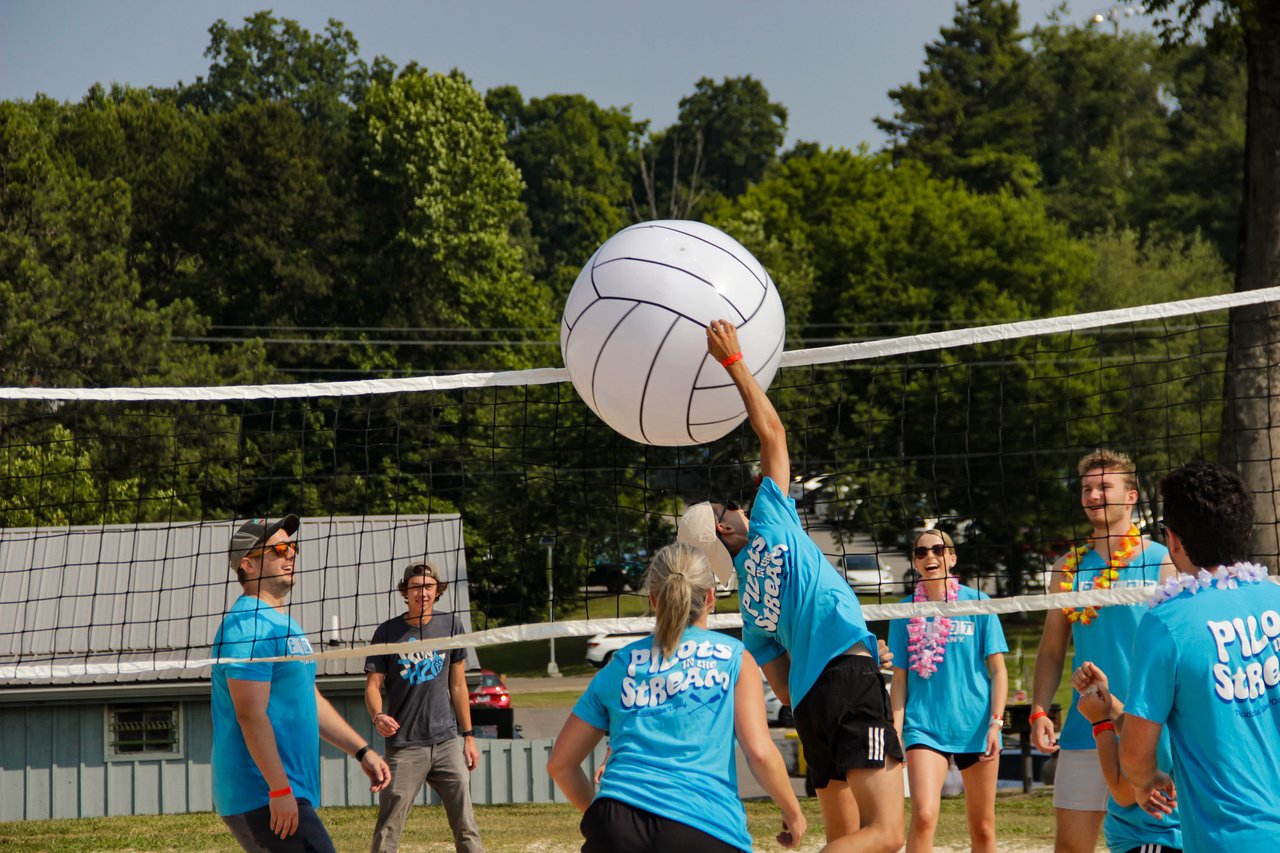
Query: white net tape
x=552 y=375
x=590 y=627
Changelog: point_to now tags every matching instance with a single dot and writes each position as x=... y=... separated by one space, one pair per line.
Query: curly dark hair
x=1210 y=509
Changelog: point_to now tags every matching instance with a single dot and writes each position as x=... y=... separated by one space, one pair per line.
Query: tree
x=276 y=59
x=441 y=199
x=725 y=138
x=159 y=151
x=971 y=116
x=1100 y=120
x=1251 y=413
x=276 y=231
x=72 y=314
x=576 y=159
x=1195 y=182
x=1116 y=132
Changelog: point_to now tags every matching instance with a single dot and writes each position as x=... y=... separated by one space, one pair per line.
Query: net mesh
x=116 y=504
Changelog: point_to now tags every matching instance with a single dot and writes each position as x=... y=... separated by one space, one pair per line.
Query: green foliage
x=434 y=168
x=274 y=235
x=1100 y=121
x=71 y=311
x=276 y=59
x=970 y=115
x=1195 y=182
x=51 y=479
x=576 y=159
x=1115 y=132
x=740 y=131
x=726 y=137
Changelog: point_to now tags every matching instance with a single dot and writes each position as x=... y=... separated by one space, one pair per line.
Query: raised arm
x=775 y=462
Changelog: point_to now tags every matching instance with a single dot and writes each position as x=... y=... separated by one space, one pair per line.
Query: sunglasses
x=282 y=549
x=727 y=505
x=920 y=551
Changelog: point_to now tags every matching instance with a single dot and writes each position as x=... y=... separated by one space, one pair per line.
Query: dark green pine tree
x=970 y=116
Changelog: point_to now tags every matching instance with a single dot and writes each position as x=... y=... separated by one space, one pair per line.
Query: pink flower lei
x=929 y=647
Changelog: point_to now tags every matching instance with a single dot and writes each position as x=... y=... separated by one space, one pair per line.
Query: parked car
x=600 y=648
x=487 y=689
x=867 y=573
x=774 y=711
x=617 y=574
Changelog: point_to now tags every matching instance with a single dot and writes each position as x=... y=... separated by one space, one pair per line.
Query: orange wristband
x=737 y=356
x=1103 y=726
x=283 y=792
x=1037 y=715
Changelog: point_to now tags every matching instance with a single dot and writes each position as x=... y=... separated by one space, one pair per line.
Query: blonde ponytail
x=677 y=581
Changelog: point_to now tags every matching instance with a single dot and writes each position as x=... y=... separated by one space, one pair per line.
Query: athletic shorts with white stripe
x=1153 y=848
x=845 y=722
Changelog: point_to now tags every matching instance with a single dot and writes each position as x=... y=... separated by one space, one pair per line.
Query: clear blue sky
x=830 y=62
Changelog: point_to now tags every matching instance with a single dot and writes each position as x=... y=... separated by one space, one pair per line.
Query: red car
x=487 y=690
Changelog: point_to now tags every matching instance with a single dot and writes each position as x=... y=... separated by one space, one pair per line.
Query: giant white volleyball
x=633 y=334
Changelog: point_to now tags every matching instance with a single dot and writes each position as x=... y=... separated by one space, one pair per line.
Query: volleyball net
x=117 y=505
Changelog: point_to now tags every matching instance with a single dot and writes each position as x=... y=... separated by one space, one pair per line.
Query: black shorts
x=963 y=760
x=612 y=826
x=845 y=722
x=253 y=831
x=1154 y=848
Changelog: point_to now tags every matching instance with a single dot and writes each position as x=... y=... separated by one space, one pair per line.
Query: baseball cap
x=422 y=568
x=697 y=527
x=253 y=533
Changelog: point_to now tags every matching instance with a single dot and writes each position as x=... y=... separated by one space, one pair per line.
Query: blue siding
x=52 y=764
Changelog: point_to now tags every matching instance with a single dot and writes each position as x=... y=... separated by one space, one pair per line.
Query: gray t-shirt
x=417 y=683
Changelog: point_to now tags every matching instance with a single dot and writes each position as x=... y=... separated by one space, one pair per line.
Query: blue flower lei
x=1223 y=577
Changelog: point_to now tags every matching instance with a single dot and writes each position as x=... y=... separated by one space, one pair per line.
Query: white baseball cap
x=697 y=527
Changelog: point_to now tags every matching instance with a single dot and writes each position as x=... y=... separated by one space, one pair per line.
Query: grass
x=546 y=699
x=1022 y=821
x=529 y=660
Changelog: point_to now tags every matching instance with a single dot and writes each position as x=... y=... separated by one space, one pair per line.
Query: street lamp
x=1113 y=14
x=549 y=542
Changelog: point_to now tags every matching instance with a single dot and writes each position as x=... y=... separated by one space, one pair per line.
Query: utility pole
x=1113 y=14
x=549 y=542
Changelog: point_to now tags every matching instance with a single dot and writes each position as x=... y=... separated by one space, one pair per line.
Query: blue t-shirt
x=255 y=629
x=1106 y=641
x=670 y=725
x=951 y=710
x=792 y=599
x=1206 y=667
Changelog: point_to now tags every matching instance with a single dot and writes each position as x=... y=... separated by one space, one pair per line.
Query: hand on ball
x=722 y=340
